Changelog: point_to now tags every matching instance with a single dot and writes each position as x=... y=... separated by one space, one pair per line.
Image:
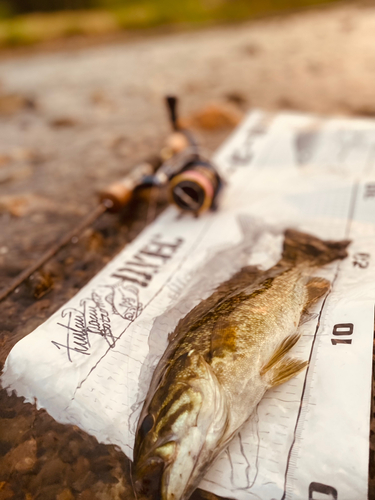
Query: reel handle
x=172 y=108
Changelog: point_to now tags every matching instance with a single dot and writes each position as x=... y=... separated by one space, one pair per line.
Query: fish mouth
x=148 y=478
x=152 y=481
x=148 y=472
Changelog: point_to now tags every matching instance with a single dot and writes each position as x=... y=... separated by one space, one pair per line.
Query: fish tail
x=304 y=248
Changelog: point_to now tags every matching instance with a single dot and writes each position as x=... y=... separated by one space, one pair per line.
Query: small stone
x=236 y=98
x=74 y=448
x=367 y=110
x=100 y=98
x=77 y=470
x=21 y=459
x=64 y=122
x=6 y=491
x=87 y=494
x=12 y=429
x=52 y=472
x=42 y=284
x=287 y=103
x=66 y=456
x=84 y=482
x=82 y=466
x=65 y=495
x=214 y=116
x=48 y=492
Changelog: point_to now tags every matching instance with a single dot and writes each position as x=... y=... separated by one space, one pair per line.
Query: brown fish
x=222 y=358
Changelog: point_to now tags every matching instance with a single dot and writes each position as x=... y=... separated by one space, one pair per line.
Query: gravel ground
x=73 y=120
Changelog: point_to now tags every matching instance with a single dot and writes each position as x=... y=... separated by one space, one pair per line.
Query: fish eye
x=147 y=425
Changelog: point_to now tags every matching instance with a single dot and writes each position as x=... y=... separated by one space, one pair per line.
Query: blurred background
x=30 y=21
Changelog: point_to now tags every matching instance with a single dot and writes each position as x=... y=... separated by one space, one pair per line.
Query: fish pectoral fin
x=283 y=371
x=280 y=352
x=316 y=288
x=279 y=368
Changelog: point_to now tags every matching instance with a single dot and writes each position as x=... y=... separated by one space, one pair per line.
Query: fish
x=219 y=265
x=221 y=359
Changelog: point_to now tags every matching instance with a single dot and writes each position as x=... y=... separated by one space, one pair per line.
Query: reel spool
x=195 y=188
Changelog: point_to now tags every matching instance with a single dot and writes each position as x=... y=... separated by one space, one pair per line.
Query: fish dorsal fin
x=284 y=370
x=244 y=277
x=280 y=352
x=316 y=288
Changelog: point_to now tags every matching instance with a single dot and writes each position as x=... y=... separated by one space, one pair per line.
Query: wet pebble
x=12 y=429
x=53 y=472
x=84 y=482
x=66 y=494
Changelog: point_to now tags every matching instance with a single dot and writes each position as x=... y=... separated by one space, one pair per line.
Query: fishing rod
x=191 y=180
x=112 y=199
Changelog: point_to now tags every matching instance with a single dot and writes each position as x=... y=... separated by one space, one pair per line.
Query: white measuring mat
x=91 y=363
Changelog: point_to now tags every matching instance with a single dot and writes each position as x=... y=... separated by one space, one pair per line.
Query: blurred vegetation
x=30 y=21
